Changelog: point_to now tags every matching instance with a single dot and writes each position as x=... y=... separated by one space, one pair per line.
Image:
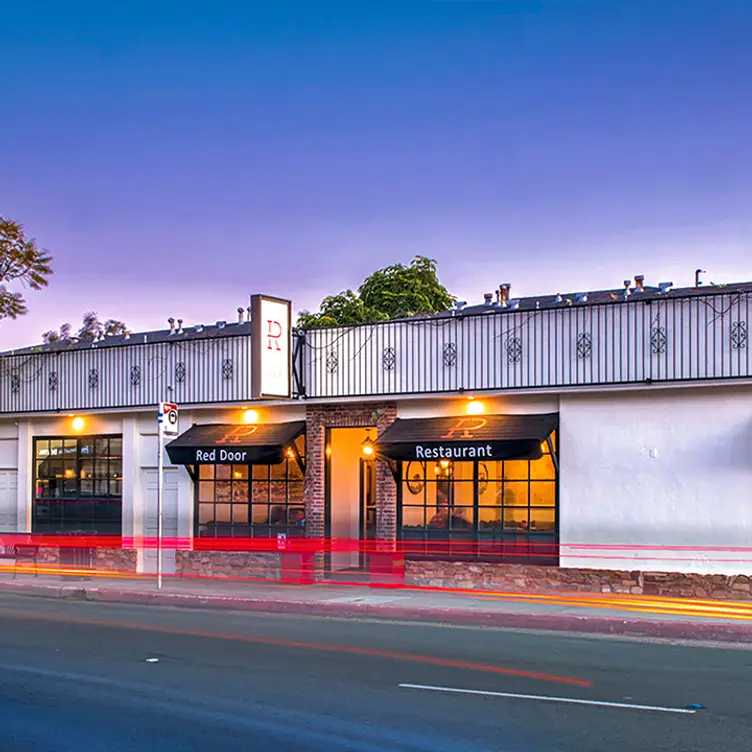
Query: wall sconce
x=78 y=423
x=290 y=453
x=250 y=416
x=368 y=449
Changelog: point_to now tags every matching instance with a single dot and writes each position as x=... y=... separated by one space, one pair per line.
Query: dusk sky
x=176 y=157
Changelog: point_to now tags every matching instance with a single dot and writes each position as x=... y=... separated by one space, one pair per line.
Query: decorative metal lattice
x=227 y=369
x=584 y=345
x=180 y=372
x=739 y=335
x=52 y=381
x=389 y=358
x=15 y=383
x=658 y=340
x=513 y=347
x=135 y=375
x=93 y=378
x=332 y=362
x=450 y=354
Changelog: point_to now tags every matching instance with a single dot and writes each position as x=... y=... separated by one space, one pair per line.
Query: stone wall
x=99 y=559
x=520 y=578
x=259 y=565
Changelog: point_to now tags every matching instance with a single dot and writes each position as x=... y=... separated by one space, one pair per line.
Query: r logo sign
x=464 y=428
x=274 y=334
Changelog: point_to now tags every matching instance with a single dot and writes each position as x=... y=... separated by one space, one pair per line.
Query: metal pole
x=160 y=463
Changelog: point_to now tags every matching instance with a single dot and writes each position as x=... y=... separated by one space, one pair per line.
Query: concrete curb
x=707 y=631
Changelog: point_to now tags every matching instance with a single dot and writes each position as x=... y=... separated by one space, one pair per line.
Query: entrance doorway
x=351 y=496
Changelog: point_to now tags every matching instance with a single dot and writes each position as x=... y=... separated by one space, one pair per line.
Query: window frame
x=54 y=505
x=251 y=476
x=524 y=545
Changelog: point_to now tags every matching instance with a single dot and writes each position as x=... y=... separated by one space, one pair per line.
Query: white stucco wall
x=139 y=431
x=657 y=480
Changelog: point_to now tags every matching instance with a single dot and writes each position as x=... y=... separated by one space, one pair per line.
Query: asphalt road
x=75 y=675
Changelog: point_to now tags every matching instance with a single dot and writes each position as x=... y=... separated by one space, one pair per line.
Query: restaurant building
x=588 y=441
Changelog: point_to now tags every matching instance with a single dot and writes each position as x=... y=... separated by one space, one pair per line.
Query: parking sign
x=168 y=418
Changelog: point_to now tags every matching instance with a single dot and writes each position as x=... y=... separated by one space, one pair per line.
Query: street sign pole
x=160 y=473
x=167 y=425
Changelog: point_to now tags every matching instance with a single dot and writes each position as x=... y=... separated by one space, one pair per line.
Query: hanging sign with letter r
x=271 y=348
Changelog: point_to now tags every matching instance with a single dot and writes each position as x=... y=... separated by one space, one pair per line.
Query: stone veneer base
x=520 y=578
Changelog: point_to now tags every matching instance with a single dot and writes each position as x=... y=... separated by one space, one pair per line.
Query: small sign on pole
x=167 y=425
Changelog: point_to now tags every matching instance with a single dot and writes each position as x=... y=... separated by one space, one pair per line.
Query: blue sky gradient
x=177 y=156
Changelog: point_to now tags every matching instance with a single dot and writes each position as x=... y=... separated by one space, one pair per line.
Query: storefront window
x=251 y=500
x=78 y=485
x=499 y=509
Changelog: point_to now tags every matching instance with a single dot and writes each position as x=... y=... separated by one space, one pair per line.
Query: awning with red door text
x=262 y=444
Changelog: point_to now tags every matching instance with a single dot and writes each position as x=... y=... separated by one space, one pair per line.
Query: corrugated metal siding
x=672 y=339
x=216 y=369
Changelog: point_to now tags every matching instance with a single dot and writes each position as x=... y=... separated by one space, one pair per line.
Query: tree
x=91 y=329
x=22 y=262
x=393 y=292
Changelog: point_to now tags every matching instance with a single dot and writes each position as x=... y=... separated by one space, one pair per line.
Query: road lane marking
x=546 y=698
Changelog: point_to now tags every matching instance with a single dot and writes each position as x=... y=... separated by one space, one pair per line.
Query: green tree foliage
x=20 y=262
x=91 y=329
x=394 y=292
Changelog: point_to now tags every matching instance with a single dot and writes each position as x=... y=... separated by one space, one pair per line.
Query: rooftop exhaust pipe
x=487 y=298
x=241 y=312
x=198 y=328
x=171 y=322
x=664 y=287
x=180 y=326
x=221 y=324
x=698 y=281
x=639 y=282
x=459 y=305
x=627 y=283
x=558 y=298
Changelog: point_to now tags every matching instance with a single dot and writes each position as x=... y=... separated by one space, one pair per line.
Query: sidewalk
x=634 y=616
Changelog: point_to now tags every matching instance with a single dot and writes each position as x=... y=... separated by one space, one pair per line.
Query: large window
x=498 y=509
x=251 y=500
x=78 y=485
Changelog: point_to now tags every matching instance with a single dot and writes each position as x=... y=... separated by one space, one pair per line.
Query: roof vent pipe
x=639 y=282
x=171 y=322
x=198 y=328
x=627 y=283
x=698 y=281
x=221 y=324
x=127 y=334
x=558 y=298
x=487 y=298
x=664 y=287
x=180 y=326
x=241 y=311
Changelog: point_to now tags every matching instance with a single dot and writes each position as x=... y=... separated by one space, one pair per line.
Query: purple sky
x=177 y=156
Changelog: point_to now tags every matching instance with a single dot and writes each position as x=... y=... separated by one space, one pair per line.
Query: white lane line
x=545 y=698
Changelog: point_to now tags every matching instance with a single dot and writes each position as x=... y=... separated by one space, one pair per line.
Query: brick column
x=315 y=457
x=386 y=488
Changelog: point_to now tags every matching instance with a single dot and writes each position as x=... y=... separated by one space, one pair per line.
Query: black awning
x=494 y=437
x=263 y=444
